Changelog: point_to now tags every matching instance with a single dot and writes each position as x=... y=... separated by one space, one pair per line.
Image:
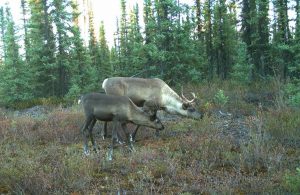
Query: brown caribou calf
x=121 y=109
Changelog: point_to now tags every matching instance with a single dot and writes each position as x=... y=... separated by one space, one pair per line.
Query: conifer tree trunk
x=208 y=38
x=297 y=31
x=26 y=40
x=148 y=19
x=2 y=32
x=199 y=21
x=262 y=42
x=283 y=35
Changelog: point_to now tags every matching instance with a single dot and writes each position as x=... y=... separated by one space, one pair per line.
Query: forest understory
x=241 y=58
x=245 y=144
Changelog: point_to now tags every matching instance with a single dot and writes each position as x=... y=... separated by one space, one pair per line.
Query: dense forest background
x=240 y=40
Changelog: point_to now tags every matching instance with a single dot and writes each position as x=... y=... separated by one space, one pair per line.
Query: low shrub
x=292 y=93
x=292 y=181
x=220 y=98
x=49 y=101
x=284 y=125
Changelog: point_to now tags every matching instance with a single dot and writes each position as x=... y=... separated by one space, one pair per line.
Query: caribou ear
x=151 y=108
x=151 y=104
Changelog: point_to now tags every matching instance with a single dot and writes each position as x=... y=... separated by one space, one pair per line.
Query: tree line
x=180 y=43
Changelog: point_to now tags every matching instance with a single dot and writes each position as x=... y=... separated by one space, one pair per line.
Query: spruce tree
x=282 y=56
x=150 y=48
x=135 y=52
x=93 y=47
x=62 y=19
x=123 y=35
x=208 y=17
x=202 y=59
x=164 y=13
x=185 y=53
x=15 y=82
x=42 y=62
x=106 y=66
x=24 y=8
x=224 y=40
x=295 y=68
x=115 y=52
x=248 y=30
x=262 y=47
x=199 y=19
x=255 y=33
x=82 y=75
x=2 y=32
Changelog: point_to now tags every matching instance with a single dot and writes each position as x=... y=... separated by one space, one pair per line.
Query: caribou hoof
x=120 y=142
x=132 y=138
x=110 y=155
x=132 y=149
x=86 y=152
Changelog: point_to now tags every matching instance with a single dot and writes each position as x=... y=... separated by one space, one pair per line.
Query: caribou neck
x=172 y=101
x=138 y=117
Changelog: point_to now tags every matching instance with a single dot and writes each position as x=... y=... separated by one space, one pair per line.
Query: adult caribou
x=119 y=109
x=151 y=94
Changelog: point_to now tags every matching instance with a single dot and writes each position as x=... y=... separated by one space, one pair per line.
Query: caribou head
x=189 y=106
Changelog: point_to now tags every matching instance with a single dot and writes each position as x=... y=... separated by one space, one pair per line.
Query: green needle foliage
x=47 y=55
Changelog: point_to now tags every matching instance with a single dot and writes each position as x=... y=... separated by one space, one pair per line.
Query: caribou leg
x=134 y=133
x=133 y=136
x=119 y=138
x=114 y=140
x=91 y=134
x=85 y=134
x=136 y=129
x=104 y=130
x=157 y=133
x=128 y=136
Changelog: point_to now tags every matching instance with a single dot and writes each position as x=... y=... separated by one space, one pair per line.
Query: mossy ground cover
x=253 y=149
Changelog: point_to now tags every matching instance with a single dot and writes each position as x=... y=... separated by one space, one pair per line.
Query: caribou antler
x=185 y=99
